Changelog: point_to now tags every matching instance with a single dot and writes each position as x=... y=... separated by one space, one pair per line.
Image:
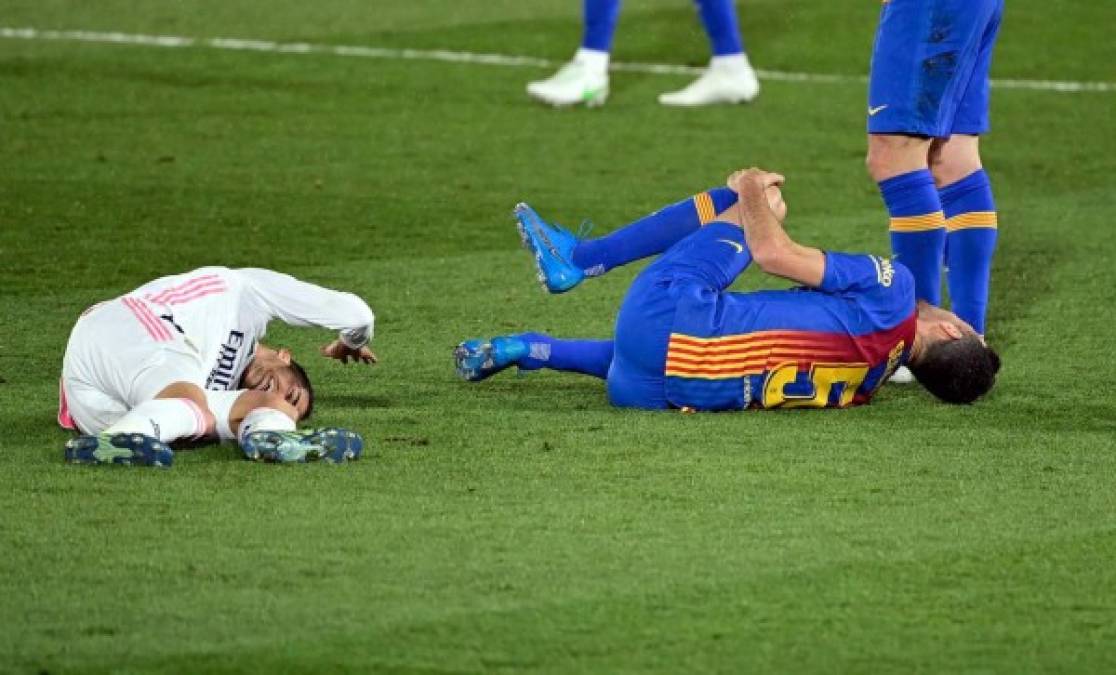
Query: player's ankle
x=730 y=63
x=593 y=60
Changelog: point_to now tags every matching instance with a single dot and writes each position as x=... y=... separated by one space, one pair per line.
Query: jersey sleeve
x=298 y=303
x=847 y=272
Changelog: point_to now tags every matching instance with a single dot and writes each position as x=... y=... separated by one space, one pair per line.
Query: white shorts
x=121 y=354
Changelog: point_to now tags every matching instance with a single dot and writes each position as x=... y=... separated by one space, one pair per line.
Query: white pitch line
x=236 y=44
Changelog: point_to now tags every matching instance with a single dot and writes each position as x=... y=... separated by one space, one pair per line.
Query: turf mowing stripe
x=237 y=44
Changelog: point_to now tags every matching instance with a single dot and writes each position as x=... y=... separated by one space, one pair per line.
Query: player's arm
x=298 y=303
x=770 y=245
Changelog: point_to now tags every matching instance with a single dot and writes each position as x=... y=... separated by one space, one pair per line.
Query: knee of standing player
x=891 y=155
x=953 y=159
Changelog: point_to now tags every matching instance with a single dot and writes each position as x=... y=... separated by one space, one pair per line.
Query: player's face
x=272 y=375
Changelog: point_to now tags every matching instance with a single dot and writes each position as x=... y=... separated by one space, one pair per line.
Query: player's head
x=952 y=361
x=274 y=370
x=303 y=381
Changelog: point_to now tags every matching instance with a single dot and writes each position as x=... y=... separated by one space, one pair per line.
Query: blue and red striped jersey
x=830 y=346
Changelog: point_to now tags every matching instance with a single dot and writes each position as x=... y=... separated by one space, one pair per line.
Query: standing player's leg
x=898 y=163
x=585 y=78
x=924 y=59
x=906 y=85
x=563 y=260
x=730 y=77
x=966 y=191
x=972 y=225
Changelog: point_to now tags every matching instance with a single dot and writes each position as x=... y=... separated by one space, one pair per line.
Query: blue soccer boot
x=553 y=248
x=480 y=359
x=332 y=445
x=122 y=448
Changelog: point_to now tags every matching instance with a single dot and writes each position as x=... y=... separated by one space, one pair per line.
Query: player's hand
x=340 y=351
x=754 y=178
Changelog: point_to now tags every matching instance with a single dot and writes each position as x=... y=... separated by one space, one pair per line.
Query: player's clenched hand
x=741 y=180
x=342 y=352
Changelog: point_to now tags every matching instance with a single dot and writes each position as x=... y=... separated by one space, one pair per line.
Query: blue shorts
x=930 y=67
x=705 y=262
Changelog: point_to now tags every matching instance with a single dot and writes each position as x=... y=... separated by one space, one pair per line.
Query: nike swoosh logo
x=872 y=111
x=736 y=245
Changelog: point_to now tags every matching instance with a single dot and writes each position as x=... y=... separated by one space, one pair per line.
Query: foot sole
x=124 y=449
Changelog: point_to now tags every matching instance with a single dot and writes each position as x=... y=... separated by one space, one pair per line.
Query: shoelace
x=584 y=230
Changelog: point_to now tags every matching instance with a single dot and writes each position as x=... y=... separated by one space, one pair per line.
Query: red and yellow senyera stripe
x=929 y=221
x=964 y=221
x=705 y=209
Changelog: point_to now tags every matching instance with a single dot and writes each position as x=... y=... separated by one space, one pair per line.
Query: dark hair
x=957 y=371
x=304 y=381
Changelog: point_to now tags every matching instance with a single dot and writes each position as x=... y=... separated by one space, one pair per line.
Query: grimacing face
x=272 y=374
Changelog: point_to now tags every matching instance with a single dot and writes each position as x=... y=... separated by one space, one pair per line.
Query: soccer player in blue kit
x=927 y=107
x=683 y=341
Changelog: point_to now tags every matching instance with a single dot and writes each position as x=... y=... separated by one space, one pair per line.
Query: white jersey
x=200 y=327
x=224 y=313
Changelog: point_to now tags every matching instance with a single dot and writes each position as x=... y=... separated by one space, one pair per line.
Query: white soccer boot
x=728 y=79
x=575 y=83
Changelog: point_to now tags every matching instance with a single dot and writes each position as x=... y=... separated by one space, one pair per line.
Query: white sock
x=593 y=60
x=264 y=419
x=221 y=404
x=731 y=62
x=167 y=419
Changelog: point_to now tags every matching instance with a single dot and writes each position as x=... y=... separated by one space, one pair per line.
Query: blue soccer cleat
x=477 y=360
x=553 y=248
x=332 y=445
x=120 y=448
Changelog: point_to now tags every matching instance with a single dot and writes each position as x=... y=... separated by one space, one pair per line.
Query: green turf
x=522 y=525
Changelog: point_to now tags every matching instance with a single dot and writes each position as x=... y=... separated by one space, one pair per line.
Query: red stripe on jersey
x=754 y=353
x=184 y=287
x=780 y=354
x=198 y=293
x=178 y=297
x=154 y=327
x=747 y=339
x=871 y=348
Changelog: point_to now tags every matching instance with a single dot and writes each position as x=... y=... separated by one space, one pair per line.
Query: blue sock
x=971 y=222
x=918 y=232
x=719 y=19
x=600 y=18
x=589 y=357
x=653 y=234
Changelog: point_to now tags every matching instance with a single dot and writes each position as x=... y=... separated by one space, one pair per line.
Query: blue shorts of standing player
x=682 y=340
x=928 y=105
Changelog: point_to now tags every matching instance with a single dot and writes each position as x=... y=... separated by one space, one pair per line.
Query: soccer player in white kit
x=180 y=358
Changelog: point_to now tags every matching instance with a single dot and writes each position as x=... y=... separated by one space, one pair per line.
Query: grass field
x=523 y=525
